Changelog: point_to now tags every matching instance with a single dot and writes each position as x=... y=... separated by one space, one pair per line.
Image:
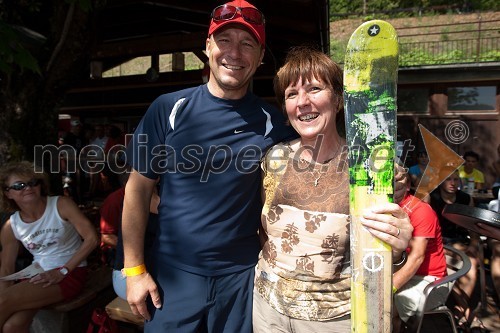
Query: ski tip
x=376 y=28
x=372 y=40
x=372 y=34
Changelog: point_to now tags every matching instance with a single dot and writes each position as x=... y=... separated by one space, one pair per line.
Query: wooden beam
x=452 y=73
x=96 y=69
x=178 y=62
x=201 y=55
x=189 y=42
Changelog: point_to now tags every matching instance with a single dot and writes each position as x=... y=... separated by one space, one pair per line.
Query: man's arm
x=418 y=245
x=138 y=193
x=135 y=214
x=478 y=179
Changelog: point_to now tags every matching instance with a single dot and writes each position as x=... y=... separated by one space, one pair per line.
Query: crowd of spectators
x=97 y=147
x=459 y=186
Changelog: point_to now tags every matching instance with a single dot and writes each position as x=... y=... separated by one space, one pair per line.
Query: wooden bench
x=119 y=310
x=74 y=315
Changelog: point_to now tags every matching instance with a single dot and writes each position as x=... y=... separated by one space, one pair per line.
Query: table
x=468 y=217
x=482 y=198
x=486 y=196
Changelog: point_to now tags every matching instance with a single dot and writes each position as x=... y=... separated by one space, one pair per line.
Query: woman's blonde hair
x=23 y=169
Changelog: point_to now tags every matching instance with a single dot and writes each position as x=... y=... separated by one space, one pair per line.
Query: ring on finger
x=399 y=231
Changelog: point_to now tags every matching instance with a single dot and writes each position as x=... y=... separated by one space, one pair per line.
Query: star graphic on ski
x=378 y=123
x=374 y=30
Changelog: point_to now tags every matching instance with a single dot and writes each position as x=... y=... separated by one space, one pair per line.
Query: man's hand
x=138 y=289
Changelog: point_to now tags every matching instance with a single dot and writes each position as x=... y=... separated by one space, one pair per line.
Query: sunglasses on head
x=19 y=186
x=228 y=12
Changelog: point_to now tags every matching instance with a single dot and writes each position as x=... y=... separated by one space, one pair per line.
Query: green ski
x=370 y=82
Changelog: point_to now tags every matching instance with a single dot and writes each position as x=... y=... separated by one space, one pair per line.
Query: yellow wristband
x=394 y=289
x=133 y=271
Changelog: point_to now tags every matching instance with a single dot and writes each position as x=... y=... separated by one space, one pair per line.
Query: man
x=96 y=151
x=75 y=137
x=425 y=264
x=469 y=171
x=100 y=139
x=417 y=170
x=72 y=181
x=448 y=192
x=214 y=135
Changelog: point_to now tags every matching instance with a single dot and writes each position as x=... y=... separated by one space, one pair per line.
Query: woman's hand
x=389 y=223
x=48 y=278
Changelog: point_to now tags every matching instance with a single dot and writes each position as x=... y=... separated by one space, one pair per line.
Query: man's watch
x=64 y=270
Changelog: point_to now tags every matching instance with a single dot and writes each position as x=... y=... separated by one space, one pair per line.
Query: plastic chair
x=458 y=265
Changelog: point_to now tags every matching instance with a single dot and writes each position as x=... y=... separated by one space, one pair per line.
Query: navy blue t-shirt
x=207 y=153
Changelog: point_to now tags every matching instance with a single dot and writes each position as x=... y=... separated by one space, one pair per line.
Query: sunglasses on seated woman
x=19 y=186
x=228 y=12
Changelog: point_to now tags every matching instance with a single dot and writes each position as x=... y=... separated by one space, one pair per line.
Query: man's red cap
x=257 y=29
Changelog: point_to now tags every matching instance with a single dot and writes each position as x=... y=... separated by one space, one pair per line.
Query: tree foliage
x=43 y=50
x=340 y=8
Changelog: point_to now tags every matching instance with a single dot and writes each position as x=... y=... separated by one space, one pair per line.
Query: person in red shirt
x=111 y=215
x=426 y=261
x=110 y=219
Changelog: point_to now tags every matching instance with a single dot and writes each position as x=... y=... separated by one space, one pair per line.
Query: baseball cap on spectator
x=239 y=12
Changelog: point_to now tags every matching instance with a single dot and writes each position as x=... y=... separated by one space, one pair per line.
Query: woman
x=302 y=281
x=56 y=233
